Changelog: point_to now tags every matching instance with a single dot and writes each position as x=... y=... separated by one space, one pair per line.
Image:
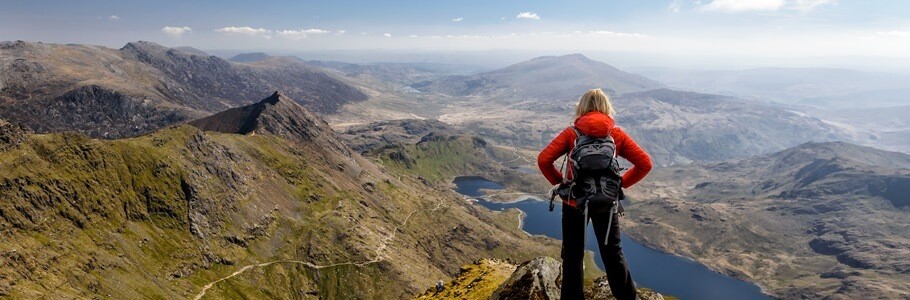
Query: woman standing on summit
x=593 y=120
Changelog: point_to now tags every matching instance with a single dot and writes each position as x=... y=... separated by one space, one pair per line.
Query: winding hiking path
x=379 y=256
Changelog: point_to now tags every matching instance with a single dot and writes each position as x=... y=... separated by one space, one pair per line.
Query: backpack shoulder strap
x=578 y=134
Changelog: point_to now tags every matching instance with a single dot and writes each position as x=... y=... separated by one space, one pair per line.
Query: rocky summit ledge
x=538 y=278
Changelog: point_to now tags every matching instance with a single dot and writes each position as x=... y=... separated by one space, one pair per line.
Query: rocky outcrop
x=534 y=279
x=537 y=279
x=600 y=290
x=11 y=135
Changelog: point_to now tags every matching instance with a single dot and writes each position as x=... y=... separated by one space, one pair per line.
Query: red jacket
x=595 y=124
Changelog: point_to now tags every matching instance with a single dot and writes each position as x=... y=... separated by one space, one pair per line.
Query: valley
x=155 y=172
x=700 y=202
x=823 y=220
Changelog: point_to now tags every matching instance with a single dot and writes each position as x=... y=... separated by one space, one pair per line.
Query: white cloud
x=763 y=5
x=114 y=17
x=340 y=32
x=744 y=5
x=616 y=34
x=528 y=15
x=675 y=6
x=291 y=34
x=302 y=33
x=895 y=33
x=316 y=31
x=412 y=36
x=175 y=32
x=388 y=35
x=246 y=30
x=363 y=33
x=458 y=19
x=806 y=5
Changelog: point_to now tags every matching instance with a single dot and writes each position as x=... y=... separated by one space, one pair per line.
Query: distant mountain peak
x=573 y=56
x=143 y=45
x=274 y=98
x=823 y=169
x=192 y=50
x=546 y=77
x=249 y=57
x=847 y=153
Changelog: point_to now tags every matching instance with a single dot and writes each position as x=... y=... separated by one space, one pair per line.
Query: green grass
x=110 y=218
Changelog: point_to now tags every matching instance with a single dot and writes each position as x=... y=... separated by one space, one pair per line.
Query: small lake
x=662 y=272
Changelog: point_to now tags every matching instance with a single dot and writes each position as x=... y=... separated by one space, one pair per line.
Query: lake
x=662 y=272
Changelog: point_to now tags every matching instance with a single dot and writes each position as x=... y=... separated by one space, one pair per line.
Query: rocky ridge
x=111 y=93
x=184 y=211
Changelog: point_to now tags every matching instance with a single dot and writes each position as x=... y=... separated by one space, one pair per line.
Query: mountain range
x=547 y=77
x=819 y=220
x=682 y=127
x=814 y=87
x=527 y=104
x=112 y=93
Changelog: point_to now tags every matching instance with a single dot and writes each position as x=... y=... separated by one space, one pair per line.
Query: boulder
x=539 y=279
x=534 y=279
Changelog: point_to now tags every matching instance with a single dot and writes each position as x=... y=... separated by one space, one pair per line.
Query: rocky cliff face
x=143 y=86
x=95 y=111
x=203 y=78
x=190 y=213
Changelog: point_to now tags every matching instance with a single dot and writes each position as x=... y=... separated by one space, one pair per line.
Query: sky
x=711 y=33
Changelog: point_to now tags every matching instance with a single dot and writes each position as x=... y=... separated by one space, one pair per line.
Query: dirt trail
x=378 y=257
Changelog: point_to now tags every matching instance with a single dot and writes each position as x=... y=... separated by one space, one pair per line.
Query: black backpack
x=596 y=182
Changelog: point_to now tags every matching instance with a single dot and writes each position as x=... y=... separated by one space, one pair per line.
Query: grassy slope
x=159 y=216
x=445 y=157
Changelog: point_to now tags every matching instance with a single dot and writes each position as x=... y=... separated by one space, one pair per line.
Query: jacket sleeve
x=641 y=162
x=557 y=147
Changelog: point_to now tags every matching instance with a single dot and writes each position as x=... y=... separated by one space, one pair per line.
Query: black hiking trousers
x=573 y=248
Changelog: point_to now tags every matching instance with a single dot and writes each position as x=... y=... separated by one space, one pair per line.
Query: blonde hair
x=593 y=100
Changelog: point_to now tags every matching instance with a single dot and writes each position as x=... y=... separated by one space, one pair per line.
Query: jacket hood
x=595 y=124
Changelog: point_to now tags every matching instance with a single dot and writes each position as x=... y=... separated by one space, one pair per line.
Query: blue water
x=662 y=272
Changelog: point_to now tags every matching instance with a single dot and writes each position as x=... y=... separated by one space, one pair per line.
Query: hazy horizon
x=718 y=34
